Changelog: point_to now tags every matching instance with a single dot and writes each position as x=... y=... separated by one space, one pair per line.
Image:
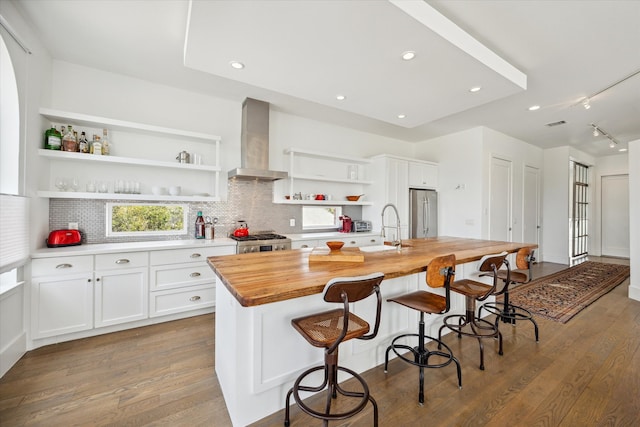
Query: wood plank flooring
x=583 y=373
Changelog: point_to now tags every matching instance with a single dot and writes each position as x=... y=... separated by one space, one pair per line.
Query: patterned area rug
x=562 y=295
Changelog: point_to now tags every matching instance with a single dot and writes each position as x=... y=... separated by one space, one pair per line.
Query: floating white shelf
x=123 y=196
x=322 y=155
x=329 y=179
x=80 y=119
x=66 y=155
x=323 y=202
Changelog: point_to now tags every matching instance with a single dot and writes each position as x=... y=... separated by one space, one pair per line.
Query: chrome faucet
x=396 y=242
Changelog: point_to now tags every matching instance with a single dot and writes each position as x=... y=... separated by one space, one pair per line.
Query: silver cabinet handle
x=64 y=266
x=195 y=298
x=123 y=261
x=195 y=255
x=304 y=246
x=195 y=274
x=372 y=240
x=353 y=242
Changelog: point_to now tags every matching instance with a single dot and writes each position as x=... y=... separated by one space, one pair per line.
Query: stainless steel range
x=263 y=241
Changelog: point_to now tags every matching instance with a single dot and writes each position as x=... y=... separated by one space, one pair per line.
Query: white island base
x=258 y=354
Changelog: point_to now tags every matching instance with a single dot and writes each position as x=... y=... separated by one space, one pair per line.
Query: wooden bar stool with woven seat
x=440 y=273
x=505 y=311
x=328 y=330
x=468 y=324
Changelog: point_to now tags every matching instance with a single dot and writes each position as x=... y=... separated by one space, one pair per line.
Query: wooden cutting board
x=342 y=255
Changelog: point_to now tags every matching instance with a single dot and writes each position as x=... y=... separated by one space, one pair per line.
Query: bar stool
x=440 y=272
x=328 y=330
x=505 y=311
x=476 y=291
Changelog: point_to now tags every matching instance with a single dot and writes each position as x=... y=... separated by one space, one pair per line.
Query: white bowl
x=158 y=191
x=175 y=190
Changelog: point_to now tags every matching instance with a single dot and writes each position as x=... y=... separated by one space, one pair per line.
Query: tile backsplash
x=247 y=200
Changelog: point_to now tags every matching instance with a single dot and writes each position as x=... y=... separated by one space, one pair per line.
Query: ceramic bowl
x=353 y=198
x=158 y=191
x=335 y=245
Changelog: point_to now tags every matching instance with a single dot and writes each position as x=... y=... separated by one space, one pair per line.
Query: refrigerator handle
x=425 y=216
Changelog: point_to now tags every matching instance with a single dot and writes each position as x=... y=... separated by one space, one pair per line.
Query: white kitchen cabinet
x=349 y=239
x=181 y=279
x=315 y=172
x=61 y=295
x=121 y=288
x=303 y=244
x=423 y=175
x=137 y=152
x=393 y=187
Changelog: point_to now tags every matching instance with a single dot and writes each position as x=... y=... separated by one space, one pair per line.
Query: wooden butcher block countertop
x=266 y=277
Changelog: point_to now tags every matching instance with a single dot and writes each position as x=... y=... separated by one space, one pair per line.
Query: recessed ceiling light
x=341 y=97
x=402 y=116
x=237 y=65
x=408 y=55
x=534 y=108
x=622 y=149
x=475 y=89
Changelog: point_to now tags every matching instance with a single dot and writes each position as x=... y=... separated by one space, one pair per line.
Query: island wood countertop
x=266 y=277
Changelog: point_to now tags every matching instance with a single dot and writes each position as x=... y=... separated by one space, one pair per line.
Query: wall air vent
x=558 y=123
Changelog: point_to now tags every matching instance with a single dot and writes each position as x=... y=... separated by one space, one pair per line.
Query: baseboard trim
x=12 y=353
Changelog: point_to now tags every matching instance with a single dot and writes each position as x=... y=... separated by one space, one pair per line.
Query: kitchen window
x=146 y=219
x=321 y=217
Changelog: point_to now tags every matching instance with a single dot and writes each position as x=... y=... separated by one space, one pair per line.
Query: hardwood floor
x=583 y=373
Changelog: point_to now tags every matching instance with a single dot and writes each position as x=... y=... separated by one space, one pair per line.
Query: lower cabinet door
x=61 y=305
x=121 y=296
x=182 y=299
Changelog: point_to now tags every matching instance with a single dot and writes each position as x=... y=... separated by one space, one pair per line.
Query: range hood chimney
x=254 y=144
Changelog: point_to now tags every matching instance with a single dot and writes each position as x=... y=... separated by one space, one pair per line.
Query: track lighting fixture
x=599 y=131
x=586 y=101
x=586 y=104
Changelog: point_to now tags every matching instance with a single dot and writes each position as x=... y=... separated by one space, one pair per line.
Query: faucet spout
x=396 y=241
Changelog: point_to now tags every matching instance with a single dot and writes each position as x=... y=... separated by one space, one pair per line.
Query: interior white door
x=531 y=205
x=615 y=216
x=500 y=201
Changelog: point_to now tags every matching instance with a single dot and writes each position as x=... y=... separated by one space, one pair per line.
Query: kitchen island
x=259 y=355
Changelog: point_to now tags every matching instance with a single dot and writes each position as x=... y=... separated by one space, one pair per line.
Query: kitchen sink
x=377 y=248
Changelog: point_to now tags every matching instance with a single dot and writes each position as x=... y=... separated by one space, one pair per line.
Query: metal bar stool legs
x=421 y=355
x=333 y=387
x=506 y=312
x=477 y=327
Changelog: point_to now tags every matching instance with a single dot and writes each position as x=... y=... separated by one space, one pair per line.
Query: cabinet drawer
x=122 y=260
x=300 y=244
x=176 y=276
x=61 y=265
x=178 y=256
x=179 y=300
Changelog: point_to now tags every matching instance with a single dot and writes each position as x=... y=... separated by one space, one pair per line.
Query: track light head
x=586 y=104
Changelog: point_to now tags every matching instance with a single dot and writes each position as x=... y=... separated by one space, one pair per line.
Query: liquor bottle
x=95 y=144
x=52 y=139
x=199 y=234
x=69 y=142
x=83 y=144
x=105 y=143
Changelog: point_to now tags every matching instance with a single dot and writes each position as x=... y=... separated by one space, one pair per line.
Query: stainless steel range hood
x=254 y=144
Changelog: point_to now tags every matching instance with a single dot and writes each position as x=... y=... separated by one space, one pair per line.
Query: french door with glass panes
x=580 y=211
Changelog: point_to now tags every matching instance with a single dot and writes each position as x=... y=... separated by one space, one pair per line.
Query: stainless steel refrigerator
x=423 y=213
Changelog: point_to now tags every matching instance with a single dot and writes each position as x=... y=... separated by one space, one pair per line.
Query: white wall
x=33 y=75
x=520 y=154
x=459 y=210
x=634 y=214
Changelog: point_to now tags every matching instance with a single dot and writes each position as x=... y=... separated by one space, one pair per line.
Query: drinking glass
x=75 y=184
x=61 y=183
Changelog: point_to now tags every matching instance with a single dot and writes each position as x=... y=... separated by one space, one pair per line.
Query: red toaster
x=59 y=238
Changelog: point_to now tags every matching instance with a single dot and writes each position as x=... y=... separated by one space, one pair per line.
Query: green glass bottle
x=52 y=139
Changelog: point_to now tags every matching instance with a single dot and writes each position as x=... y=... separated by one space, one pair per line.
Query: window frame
x=336 y=225
x=109 y=219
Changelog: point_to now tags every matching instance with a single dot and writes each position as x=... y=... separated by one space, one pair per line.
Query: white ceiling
x=300 y=55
